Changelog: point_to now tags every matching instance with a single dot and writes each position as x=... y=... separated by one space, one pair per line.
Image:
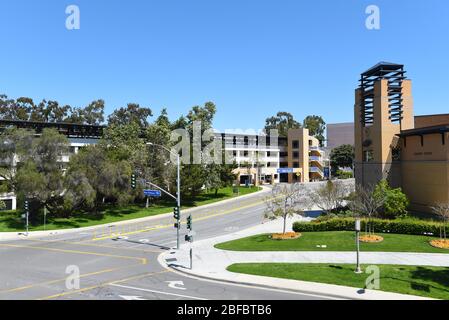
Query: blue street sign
x=152 y=193
x=326 y=172
x=285 y=170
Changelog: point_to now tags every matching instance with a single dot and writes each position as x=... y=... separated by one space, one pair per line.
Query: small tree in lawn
x=366 y=202
x=330 y=196
x=285 y=201
x=442 y=210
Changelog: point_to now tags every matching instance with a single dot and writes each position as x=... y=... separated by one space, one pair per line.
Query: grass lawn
x=335 y=241
x=421 y=281
x=11 y=222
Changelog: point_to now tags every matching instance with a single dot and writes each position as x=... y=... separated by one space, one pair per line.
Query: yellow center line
x=93 y=245
x=63 y=294
x=142 y=260
x=170 y=225
x=63 y=279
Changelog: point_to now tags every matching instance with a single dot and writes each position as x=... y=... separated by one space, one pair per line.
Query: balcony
x=317 y=171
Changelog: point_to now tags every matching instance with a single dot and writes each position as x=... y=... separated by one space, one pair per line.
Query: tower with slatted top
x=383 y=108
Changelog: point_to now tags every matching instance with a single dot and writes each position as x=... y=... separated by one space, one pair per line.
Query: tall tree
x=342 y=156
x=133 y=113
x=40 y=177
x=94 y=113
x=316 y=126
x=283 y=121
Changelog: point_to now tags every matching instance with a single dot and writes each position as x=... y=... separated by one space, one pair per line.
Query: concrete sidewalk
x=12 y=236
x=211 y=263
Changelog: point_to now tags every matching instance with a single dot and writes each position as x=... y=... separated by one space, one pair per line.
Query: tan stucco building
x=391 y=143
x=294 y=158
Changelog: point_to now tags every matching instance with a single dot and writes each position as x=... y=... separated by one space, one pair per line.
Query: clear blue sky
x=251 y=57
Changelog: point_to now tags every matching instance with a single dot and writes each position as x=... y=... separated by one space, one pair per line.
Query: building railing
x=316 y=170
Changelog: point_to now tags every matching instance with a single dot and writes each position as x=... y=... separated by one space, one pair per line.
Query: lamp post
x=178 y=194
x=357 y=241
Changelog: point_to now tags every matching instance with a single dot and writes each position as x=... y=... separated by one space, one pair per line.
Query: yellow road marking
x=93 y=245
x=143 y=260
x=63 y=279
x=170 y=225
x=101 y=285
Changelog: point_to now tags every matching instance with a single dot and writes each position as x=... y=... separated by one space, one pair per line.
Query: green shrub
x=396 y=202
x=398 y=226
x=344 y=174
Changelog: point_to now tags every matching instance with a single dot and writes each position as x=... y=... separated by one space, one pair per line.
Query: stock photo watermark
x=372 y=22
x=73 y=20
x=72 y=281
x=372 y=282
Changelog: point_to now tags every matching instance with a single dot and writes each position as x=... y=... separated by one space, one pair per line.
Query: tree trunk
x=285 y=223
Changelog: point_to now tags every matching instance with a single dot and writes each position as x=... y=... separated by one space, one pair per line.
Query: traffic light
x=176 y=213
x=188 y=238
x=133 y=181
x=26 y=206
x=189 y=223
x=177 y=225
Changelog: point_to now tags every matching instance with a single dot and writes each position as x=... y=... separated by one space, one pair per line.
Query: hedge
x=398 y=226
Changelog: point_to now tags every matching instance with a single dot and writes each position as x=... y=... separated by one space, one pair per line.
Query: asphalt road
x=127 y=268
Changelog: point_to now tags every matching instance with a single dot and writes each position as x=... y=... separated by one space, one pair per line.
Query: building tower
x=383 y=107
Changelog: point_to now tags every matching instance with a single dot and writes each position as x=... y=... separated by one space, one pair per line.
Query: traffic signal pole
x=178 y=198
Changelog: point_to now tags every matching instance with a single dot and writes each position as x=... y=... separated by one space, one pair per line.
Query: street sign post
x=152 y=193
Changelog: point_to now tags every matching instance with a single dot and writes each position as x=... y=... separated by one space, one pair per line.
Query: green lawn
x=11 y=221
x=334 y=240
x=422 y=281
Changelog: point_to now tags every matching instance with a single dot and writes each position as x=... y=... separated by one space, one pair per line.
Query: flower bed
x=371 y=238
x=440 y=243
x=285 y=236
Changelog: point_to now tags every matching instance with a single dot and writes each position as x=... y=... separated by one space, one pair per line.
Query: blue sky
x=251 y=57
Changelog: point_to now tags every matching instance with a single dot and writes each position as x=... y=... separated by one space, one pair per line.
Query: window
x=283 y=154
x=245 y=153
x=234 y=153
x=295 y=155
x=284 y=164
x=310 y=142
x=295 y=144
x=296 y=164
x=268 y=164
x=234 y=140
x=268 y=154
x=245 y=140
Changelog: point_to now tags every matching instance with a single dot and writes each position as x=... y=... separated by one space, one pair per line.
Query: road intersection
x=122 y=263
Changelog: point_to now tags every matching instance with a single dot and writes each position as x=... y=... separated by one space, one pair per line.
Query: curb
x=15 y=235
x=247 y=284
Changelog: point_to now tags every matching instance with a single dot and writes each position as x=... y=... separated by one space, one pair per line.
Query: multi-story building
x=79 y=136
x=260 y=159
x=390 y=143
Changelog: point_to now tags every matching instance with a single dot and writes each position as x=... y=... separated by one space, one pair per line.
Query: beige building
x=390 y=143
x=295 y=158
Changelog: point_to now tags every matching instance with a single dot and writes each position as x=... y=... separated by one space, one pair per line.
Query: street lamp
x=178 y=195
x=357 y=241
